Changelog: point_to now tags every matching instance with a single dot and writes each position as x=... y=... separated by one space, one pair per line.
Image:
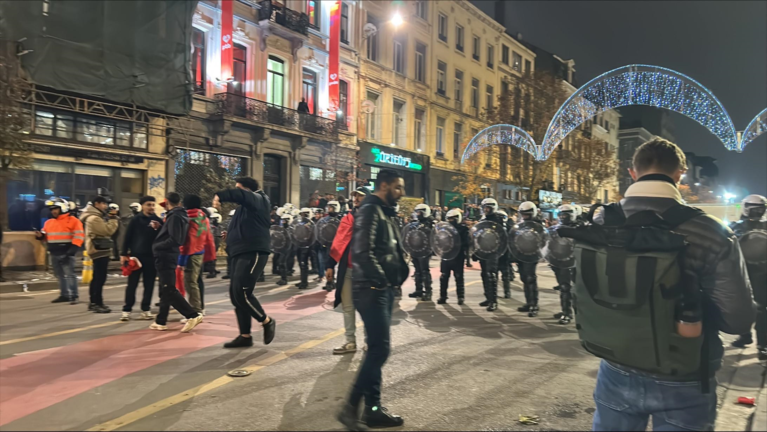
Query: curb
x=746 y=380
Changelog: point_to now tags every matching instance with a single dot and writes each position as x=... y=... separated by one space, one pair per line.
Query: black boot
x=349 y=417
x=743 y=341
x=418 y=285
x=330 y=286
x=426 y=286
x=533 y=311
x=492 y=287
x=379 y=417
x=442 y=300
x=534 y=298
x=507 y=289
x=443 y=281
x=60 y=299
x=239 y=342
x=459 y=286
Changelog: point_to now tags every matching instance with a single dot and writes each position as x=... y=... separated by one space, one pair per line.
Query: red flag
x=335 y=38
x=227 y=19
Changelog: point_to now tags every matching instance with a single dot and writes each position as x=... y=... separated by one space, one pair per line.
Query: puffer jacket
x=378 y=255
x=712 y=260
x=97 y=226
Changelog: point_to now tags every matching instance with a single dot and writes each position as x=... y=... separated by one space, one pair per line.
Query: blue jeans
x=322 y=258
x=626 y=400
x=64 y=269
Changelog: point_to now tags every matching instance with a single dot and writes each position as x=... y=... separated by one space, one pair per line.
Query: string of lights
x=500 y=134
x=756 y=127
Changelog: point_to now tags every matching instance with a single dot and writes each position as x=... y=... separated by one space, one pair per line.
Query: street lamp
x=396 y=19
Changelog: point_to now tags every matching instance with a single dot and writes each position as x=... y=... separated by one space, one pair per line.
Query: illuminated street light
x=697 y=184
x=396 y=19
x=728 y=196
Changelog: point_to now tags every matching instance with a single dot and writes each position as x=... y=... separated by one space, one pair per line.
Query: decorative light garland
x=757 y=127
x=500 y=134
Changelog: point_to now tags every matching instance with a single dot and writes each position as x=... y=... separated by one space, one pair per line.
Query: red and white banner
x=333 y=49
x=227 y=19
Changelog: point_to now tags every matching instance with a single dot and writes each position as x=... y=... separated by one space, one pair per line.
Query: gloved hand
x=73 y=250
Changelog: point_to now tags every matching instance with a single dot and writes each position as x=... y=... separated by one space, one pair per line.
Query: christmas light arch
x=757 y=127
x=500 y=134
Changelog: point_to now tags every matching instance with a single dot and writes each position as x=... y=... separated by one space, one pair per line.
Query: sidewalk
x=41 y=280
x=741 y=375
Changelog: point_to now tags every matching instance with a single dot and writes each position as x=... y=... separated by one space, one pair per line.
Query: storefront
x=444 y=184
x=413 y=166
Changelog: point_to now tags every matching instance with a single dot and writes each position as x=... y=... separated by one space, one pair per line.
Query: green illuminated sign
x=392 y=159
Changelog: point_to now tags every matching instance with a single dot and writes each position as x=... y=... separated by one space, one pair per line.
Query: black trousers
x=304 y=254
x=530 y=279
x=455 y=266
x=565 y=279
x=149 y=274
x=375 y=307
x=422 y=274
x=169 y=295
x=246 y=269
x=489 y=268
x=96 y=288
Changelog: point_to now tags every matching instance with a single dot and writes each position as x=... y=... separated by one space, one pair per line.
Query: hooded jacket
x=170 y=238
x=97 y=226
x=248 y=229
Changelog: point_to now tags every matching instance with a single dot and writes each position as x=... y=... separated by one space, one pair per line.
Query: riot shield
x=527 y=240
x=445 y=241
x=559 y=251
x=303 y=233
x=753 y=244
x=416 y=240
x=279 y=239
x=325 y=230
x=489 y=239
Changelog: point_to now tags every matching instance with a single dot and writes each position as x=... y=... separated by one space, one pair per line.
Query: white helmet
x=490 y=202
x=287 y=217
x=114 y=207
x=59 y=203
x=566 y=213
x=212 y=210
x=72 y=205
x=528 y=208
x=335 y=204
x=423 y=208
x=455 y=213
x=295 y=212
x=136 y=207
x=231 y=213
x=503 y=214
x=577 y=210
x=753 y=206
x=306 y=211
x=216 y=217
x=289 y=206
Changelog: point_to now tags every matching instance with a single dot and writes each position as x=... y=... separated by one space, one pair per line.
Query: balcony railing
x=263 y=112
x=288 y=18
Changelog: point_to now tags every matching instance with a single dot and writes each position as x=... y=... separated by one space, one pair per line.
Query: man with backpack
x=656 y=282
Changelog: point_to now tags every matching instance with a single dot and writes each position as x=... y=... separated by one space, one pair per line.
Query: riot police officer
x=504 y=263
x=324 y=249
x=489 y=264
x=565 y=274
x=303 y=251
x=422 y=273
x=455 y=264
x=215 y=230
x=529 y=213
x=286 y=219
x=751 y=231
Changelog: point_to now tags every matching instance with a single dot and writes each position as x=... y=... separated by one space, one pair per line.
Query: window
x=607 y=126
x=420 y=62
x=441 y=78
x=516 y=62
x=90 y=129
x=528 y=66
x=458 y=86
x=490 y=56
x=275 y=81
x=372 y=41
x=504 y=88
x=343 y=101
x=459 y=38
x=490 y=100
x=457 y=138
x=313 y=11
x=198 y=60
x=419 y=126
x=398 y=120
x=345 y=23
x=440 y=136
x=399 y=54
x=442 y=27
x=474 y=93
x=239 y=55
x=420 y=9
x=505 y=55
x=372 y=118
x=309 y=88
x=475 y=48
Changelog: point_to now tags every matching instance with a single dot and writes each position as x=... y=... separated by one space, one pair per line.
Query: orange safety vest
x=64 y=229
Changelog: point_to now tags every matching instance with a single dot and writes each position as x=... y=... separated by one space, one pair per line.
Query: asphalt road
x=452 y=367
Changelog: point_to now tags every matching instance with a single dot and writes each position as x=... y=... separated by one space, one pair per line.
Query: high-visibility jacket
x=63 y=232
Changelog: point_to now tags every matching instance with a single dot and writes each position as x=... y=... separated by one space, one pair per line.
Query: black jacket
x=712 y=261
x=378 y=255
x=139 y=236
x=248 y=230
x=171 y=236
x=463 y=233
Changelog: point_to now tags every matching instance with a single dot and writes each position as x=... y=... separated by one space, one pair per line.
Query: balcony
x=277 y=13
x=231 y=104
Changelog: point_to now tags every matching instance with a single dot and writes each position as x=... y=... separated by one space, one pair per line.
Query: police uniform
x=324 y=251
x=304 y=253
x=565 y=276
x=422 y=273
x=489 y=265
x=527 y=270
x=454 y=265
x=504 y=263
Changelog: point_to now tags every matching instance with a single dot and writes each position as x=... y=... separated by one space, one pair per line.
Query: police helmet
x=754 y=206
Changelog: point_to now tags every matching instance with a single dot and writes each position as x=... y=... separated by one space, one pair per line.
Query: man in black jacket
x=378 y=266
x=139 y=236
x=247 y=243
x=713 y=264
x=166 y=249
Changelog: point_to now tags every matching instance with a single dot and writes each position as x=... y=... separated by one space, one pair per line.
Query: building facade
x=629 y=140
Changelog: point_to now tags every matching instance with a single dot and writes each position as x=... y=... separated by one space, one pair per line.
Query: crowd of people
x=650 y=282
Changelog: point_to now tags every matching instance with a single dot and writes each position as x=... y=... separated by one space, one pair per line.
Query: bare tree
x=471 y=179
x=592 y=163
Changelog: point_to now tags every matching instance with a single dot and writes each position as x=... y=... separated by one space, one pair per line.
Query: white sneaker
x=203 y=312
x=349 y=347
x=125 y=316
x=191 y=323
x=158 y=327
x=183 y=320
x=146 y=315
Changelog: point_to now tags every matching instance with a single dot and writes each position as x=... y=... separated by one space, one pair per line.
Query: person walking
x=166 y=250
x=100 y=225
x=139 y=236
x=247 y=243
x=191 y=253
x=64 y=235
x=379 y=266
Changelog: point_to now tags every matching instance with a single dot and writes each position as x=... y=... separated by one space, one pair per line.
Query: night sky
x=722 y=45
